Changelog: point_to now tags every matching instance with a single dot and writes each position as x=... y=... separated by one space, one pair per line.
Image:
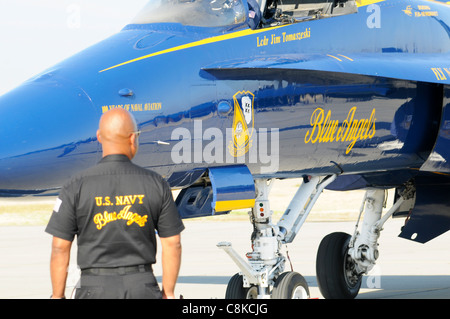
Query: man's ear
x=133 y=146
x=134 y=139
x=99 y=137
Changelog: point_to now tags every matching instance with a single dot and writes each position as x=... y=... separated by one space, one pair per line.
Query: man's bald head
x=117 y=133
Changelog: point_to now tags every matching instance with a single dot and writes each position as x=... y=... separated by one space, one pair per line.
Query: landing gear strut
x=262 y=275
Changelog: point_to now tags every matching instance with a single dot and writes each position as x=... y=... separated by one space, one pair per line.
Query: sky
x=37 y=34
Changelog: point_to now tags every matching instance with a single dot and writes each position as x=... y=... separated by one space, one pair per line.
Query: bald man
x=114 y=210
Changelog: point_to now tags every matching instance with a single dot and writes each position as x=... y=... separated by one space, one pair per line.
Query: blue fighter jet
x=230 y=95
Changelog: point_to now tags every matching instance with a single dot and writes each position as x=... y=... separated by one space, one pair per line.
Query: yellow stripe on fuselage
x=362 y=3
x=219 y=38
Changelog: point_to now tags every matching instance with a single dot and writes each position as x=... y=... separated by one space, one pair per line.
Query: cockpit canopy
x=224 y=13
x=200 y=13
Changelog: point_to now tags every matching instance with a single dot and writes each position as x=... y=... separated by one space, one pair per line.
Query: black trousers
x=118 y=283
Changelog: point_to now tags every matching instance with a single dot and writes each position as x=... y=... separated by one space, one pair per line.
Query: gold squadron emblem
x=242 y=123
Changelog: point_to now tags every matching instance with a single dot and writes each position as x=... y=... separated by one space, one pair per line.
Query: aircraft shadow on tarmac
x=373 y=287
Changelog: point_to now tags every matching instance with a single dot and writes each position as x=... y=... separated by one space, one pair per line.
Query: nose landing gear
x=262 y=275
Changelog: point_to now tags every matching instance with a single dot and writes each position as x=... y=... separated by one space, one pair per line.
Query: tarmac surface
x=405 y=269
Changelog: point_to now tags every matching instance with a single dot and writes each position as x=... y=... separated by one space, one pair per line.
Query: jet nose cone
x=47 y=133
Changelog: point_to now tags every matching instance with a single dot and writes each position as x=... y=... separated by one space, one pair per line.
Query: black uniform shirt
x=114 y=209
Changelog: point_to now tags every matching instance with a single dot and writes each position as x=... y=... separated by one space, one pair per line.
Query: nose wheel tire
x=290 y=285
x=336 y=274
x=236 y=289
